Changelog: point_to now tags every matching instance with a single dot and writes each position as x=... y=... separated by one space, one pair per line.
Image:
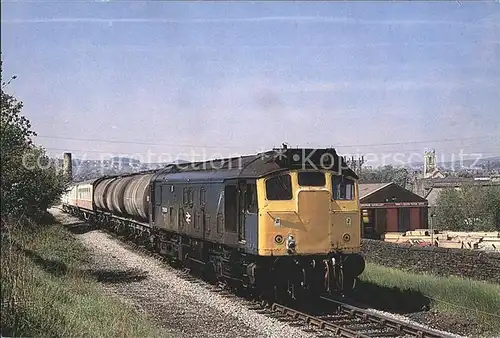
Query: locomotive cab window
x=312 y=179
x=279 y=188
x=343 y=188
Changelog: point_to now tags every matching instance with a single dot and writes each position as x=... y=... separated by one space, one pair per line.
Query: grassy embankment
x=47 y=292
x=474 y=301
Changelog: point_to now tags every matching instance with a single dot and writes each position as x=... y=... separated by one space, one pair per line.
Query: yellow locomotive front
x=308 y=212
x=309 y=225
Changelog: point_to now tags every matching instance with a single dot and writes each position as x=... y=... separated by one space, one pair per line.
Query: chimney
x=67 y=167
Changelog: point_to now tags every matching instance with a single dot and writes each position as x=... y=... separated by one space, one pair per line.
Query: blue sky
x=171 y=77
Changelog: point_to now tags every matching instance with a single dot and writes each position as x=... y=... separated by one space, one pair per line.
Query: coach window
x=279 y=188
x=343 y=188
x=251 y=199
x=312 y=179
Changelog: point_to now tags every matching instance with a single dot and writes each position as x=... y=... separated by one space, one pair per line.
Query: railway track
x=344 y=320
x=353 y=322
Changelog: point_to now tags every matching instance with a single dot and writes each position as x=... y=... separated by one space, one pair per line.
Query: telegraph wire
x=240 y=147
x=136 y=142
x=163 y=153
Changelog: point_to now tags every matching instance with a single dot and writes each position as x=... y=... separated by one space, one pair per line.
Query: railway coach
x=282 y=221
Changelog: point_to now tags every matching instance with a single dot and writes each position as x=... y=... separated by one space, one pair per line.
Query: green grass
x=475 y=300
x=46 y=291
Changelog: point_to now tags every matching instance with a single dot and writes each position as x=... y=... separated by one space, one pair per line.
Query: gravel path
x=183 y=308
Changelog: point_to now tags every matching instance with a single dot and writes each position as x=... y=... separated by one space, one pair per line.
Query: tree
x=492 y=206
x=387 y=173
x=471 y=208
x=29 y=183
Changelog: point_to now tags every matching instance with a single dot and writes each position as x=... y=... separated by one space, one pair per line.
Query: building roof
x=384 y=193
x=369 y=188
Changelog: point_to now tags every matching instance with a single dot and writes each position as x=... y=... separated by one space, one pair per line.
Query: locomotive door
x=231 y=212
x=241 y=207
x=200 y=218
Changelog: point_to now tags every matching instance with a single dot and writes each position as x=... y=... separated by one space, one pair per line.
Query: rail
x=387 y=321
x=354 y=322
x=338 y=330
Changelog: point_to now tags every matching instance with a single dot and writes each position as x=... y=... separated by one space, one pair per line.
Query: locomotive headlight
x=290 y=244
x=346 y=237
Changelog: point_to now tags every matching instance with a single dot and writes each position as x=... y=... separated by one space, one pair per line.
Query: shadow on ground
x=52 y=266
x=58 y=268
x=79 y=228
x=46 y=218
x=390 y=299
x=118 y=276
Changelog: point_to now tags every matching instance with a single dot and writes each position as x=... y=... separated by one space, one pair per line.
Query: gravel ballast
x=184 y=308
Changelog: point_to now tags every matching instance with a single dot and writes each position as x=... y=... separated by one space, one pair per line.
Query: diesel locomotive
x=282 y=221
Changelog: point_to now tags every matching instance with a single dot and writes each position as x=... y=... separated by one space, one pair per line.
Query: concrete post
x=68 y=167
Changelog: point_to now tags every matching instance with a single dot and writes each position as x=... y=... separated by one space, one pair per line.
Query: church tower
x=429 y=163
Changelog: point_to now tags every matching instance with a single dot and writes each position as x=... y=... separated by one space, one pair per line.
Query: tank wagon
x=282 y=221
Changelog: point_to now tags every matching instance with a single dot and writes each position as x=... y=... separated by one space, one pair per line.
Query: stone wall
x=478 y=265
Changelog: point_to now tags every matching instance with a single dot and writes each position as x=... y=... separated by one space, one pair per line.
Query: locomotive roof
x=256 y=165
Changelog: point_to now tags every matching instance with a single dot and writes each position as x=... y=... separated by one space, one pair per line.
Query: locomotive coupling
x=290 y=244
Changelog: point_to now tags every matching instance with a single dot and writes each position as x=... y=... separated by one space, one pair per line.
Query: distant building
x=124 y=161
x=389 y=207
x=430 y=166
x=434 y=181
x=431 y=187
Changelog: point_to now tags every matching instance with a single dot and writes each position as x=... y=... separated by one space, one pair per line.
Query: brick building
x=388 y=207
